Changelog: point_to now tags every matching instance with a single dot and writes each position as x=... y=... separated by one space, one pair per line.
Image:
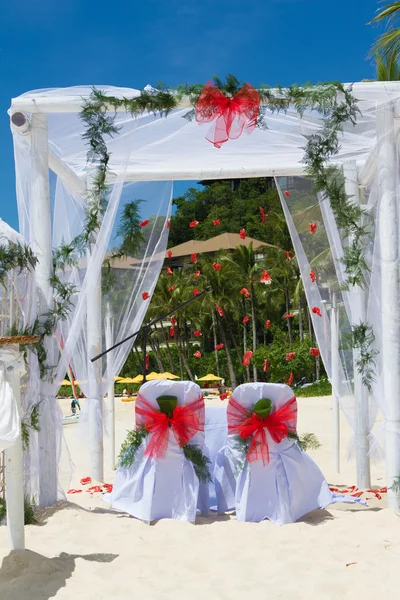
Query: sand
x=81 y=549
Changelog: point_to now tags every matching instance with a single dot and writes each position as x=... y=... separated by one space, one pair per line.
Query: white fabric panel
x=10 y=422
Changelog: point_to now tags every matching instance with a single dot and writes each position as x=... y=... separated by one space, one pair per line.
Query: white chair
x=281 y=489
x=168 y=487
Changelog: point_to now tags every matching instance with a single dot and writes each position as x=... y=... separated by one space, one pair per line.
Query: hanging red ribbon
x=194 y=258
x=173 y=321
x=267 y=324
x=196 y=275
x=266 y=365
x=251 y=425
x=216 y=222
x=316 y=311
x=144 y=223
x=193 y=224
x=290 y=380
x=170 y=271
x=147 y=362
x=197 y=354
x=246 y=319
x=312 y=227
x=263 y=215
x=217 y=266
x=219 y=311
x=232 y=116
x=197 y=333
x=314 y=352
x=219 y=347
x=242 y=234
x=169 y=253
x=145 y=295
x=313 y=276
x=185 y=422
x=248 y=355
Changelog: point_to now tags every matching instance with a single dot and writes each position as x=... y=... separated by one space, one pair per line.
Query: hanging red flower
x=170 y=271
x=224 y=396
x=219 y=311
x=263 y=215
x=217 y=266
x=314 y=352
x=219 y=347
x=242 y=234
x=288 y=316
x=316 y=311
x=85 y=481
x=287 y=193
x=196 y=275
x=145 y=295
x=246 y=319
x=313 y=276
x=193 y=224
x=172 y=331
x=246 y=292
x=267 y=324
x=312 y=227
x=172 y=321
x=144 y=223
x=216 y=222
x=194 y=258
x=290 y=355
x=266 y=278
x=288 y=255
x=290 y=380
x=266 y=365
x=169 y=253
x=171 y=288
x=248 y=355
x=197 y=354
x=196 y=292
x=147 y=362
x=232 y=116
x=197 y=333
x=168 y=224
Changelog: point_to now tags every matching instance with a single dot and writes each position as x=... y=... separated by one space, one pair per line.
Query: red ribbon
x=277 y=425
x=231 y=115
x=186 y=421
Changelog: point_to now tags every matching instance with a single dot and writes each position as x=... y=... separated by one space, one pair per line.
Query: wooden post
x=110 y=388
x=335 y=383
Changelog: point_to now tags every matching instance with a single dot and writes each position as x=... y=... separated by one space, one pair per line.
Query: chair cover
x=283 y=490
x=10 y=421
x=168 y=487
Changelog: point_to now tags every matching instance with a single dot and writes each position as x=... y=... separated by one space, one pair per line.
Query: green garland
x=14 y=255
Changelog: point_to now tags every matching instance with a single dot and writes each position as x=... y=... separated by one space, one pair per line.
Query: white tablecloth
x=216 y=432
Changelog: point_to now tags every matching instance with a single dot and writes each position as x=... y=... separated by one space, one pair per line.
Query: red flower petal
x=242 y=234
x=172 y=321
x=267 y=324
x=197 y=333
x=193 y=224
x=248 y=355
x=246 y=319
x=246 y=292
x=196 y=292
x=194 y=257
x=216 y=222
x=144 y=223
x=265 y=277
x=313 y=276
x=223 y=396
x=316 y=311
x=145 y=296
x=287 y=193
x=172 y=331
x=266 y=365
x=312 y=227
x=219 y=311
x=197 y=354
x=85 y=480
x=169 y=253
x=168 y=224
x=170 y=271
x=288 y=316
x=217 y=266
x=196 y=275
x=290 y=355
x=290 y=380
x=171 y=288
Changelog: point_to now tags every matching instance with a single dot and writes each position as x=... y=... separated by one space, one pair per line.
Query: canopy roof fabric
x=176 y=148
x=210 y=377
x=225 y=241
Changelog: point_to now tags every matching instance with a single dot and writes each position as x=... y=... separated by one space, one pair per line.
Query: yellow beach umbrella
x=153 y=376
x=65 y=382
x=138 y=379
x=117 y=378
x=128 y=380
x=169 y=375
x=210 y=377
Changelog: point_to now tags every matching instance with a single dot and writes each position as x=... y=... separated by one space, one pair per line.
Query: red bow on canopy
x=185 y=422
x=231 y=115
x=277 y=425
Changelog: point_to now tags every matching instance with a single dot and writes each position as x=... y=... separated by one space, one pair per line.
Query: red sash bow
x=231 y=115
x=277 y=425
x=185 y=422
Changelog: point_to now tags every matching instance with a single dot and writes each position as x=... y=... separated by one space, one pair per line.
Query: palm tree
x=389 y=42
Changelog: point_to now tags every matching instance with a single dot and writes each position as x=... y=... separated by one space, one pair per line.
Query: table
x=215 y=433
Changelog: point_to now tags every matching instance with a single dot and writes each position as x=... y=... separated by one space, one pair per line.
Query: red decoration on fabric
x=316 y=311
x=144 y=223
x=288 y=316
x=290 y=355
x=312 y=227
x=197 y=354
x=287 y=193
x=147 y=362
x=194 y=258
x=73 y=491
x=172 y=321
x=197 y=333
x=313 y=276
x=172 y=331
x=219 y=311
x=246 y=319
x=168 y=224
x=171 y=288
x=85 y=481
x=288 y=255
x=108 y=487
x=266 y=365
x=267 y=324
x=185 y=422
x=169 y=253
x=263 y=215
x=232 y=116
x=265 y=277
x=290 y=380
x=314 y=352
x=217 y=266
x=246 y=292
x=224 y=396
x=170 y=271
x=219 y=347
x=95 y=489
x=193 y=224
x=196 y=292
x=145 y=295
x=196 y=275
x=251 y=425
x=248 y=355
x=216 y=222
x=242 y=234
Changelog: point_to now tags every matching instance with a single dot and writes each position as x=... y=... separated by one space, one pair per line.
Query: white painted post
x=358 y=307
x=390 y=299
x=14 y=474
x=42 y=247
x=335 y=383
x=110 y=389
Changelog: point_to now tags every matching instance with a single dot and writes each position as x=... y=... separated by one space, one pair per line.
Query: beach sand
x=81 y=549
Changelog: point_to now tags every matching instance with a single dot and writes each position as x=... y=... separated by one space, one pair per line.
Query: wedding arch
x=82 y=152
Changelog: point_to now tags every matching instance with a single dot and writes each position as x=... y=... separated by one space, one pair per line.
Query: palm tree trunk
x=245 y=338
x=233 y=340
x=171 y=360
x=156 y=350
x=254 y=324
x=139 y=358
x=181 y=352
x=187 y=367
x=301 y=331
x=214 y=328
x=289 y=321
x=310 y=326
x=231 y=370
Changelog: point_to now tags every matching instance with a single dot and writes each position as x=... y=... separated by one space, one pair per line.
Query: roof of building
x=225 y=241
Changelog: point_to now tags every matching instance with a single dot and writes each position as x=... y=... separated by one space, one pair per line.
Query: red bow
x=277 y=425
x=186 y=421
x=231 y=115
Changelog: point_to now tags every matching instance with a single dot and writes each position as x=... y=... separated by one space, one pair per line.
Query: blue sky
x=57 y=43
